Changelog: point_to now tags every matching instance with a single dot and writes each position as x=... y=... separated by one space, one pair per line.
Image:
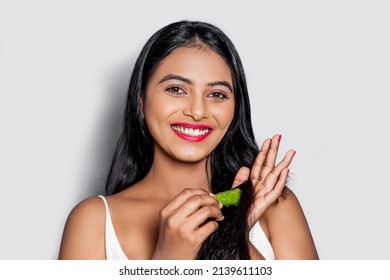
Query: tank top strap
x=260 y=241
x=113 y=248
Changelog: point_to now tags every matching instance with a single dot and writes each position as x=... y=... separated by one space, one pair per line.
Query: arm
x=290 y=235
x=83 y=236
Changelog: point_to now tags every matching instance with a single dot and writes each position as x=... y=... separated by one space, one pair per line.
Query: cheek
x=224 y=115
x=159 y=108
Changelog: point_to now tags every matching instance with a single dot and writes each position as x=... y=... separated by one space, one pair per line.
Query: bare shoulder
x=288 y=229
x=286 y=203
x=83 y=236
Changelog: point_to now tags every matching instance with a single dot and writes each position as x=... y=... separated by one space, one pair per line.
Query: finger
x=241 y=177
x=286 y=161
x=194 y=203
x=183 y=196
x=198 y=218
x=273 y=176
x=273 y=194
x=206 y=230
x=270 y=159
x=257 y=165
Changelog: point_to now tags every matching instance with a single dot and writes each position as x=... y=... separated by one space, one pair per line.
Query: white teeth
x=190 y=131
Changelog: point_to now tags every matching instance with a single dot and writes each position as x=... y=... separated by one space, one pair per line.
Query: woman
x=187 y=135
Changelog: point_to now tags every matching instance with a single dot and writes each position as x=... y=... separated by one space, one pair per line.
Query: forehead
x=201 y=65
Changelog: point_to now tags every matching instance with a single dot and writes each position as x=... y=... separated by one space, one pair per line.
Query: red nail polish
x=280 y=137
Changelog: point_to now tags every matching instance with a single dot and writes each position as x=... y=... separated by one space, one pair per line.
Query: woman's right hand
x=185 y=222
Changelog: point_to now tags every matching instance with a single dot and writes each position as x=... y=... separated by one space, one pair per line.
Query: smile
x=190 y=132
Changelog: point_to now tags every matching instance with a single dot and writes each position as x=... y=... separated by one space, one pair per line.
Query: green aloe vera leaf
x=230 y=197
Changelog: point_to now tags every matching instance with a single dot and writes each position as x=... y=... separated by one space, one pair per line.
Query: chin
x=190 y=158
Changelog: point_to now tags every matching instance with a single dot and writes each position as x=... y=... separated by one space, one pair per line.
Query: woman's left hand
x=268 y=179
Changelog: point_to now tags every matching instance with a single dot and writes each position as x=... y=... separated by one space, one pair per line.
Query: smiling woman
x=187 y=135
x=189 y=93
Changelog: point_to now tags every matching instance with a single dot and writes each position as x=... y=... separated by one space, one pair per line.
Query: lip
x=193 y=126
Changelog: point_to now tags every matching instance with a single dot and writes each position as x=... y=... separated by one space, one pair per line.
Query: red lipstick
x=188 y=131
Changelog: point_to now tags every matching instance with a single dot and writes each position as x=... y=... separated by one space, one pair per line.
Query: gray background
x=318 y=73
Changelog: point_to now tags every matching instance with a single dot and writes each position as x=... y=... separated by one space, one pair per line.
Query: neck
x=168 y=176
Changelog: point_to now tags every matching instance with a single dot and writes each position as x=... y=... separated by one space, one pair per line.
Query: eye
x=218 y=96
x=175 y=90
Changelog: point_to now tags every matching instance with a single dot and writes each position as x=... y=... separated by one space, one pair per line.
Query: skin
x=169 y=213
x=284 y=223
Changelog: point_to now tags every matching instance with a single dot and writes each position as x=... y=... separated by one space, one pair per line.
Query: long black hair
x=133 y=156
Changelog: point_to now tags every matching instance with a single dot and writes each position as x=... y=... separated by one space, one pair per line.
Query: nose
x=196 y=108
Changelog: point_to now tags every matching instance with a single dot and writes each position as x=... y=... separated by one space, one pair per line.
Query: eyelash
x=221 y=96
x=176 y=90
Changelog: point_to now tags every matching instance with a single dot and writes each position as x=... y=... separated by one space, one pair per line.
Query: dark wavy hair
x=133 y=156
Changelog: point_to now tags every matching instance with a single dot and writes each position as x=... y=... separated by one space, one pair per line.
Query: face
x=189 y=103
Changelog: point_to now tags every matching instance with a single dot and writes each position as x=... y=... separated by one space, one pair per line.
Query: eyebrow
x=188 y=81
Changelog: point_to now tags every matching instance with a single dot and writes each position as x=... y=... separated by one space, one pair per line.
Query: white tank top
x=114 y=250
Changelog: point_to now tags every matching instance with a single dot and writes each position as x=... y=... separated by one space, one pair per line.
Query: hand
x=185 y=222
x=268 y=179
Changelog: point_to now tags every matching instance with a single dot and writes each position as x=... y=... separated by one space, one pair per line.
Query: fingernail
x=220 y=205
x=280 y=137
x=220 y=218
